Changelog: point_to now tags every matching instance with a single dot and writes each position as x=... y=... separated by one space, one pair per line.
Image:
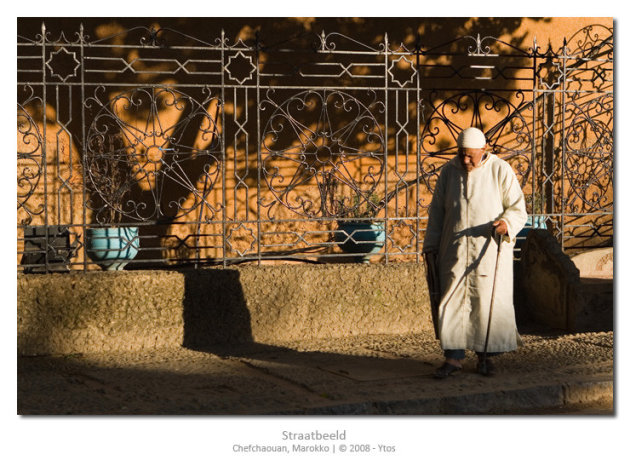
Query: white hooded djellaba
x=463 y=209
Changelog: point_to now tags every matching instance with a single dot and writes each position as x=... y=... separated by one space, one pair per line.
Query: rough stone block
x=550 y=282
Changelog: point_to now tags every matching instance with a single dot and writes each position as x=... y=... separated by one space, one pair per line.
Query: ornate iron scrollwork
x=29 y=156
x=503 y=121
x=588 y=161
x=144 y=140
x=309 y=133
x=317 y=136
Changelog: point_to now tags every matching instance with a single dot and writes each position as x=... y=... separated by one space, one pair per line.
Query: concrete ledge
x=134 y=310
x=586 y=392
x=515 y=401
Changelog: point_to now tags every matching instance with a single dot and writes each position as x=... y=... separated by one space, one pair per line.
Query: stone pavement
x=380 y=374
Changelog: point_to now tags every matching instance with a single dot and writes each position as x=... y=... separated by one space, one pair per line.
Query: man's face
x=471 y=158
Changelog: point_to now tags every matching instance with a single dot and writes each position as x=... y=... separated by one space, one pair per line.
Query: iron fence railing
x=217 y=152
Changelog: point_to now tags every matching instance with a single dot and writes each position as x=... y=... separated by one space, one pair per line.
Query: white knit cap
x=471 y=138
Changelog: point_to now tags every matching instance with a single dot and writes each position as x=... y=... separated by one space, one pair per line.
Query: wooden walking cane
x=483 y=364
x=433 y=283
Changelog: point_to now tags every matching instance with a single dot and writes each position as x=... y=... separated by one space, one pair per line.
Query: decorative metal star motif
x=405 y=73
x=241 y=237
x=63 y=60
x=239 y=64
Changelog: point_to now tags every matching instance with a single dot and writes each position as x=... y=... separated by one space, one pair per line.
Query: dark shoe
x=486 y=367
x=446 y=370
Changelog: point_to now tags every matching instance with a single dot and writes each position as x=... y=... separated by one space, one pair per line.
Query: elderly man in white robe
x=477 y=202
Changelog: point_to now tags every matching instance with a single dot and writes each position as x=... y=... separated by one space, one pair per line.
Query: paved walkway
x=381 y=374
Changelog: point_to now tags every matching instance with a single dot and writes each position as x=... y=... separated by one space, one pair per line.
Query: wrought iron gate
x=222 y=151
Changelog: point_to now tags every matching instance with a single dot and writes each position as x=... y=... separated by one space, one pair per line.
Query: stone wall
x=132 y=310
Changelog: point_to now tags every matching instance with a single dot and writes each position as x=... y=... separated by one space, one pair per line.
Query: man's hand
x=500 y=227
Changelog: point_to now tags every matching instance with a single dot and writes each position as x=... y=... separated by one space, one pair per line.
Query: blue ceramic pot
x=112 y=248
x=360 y=237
